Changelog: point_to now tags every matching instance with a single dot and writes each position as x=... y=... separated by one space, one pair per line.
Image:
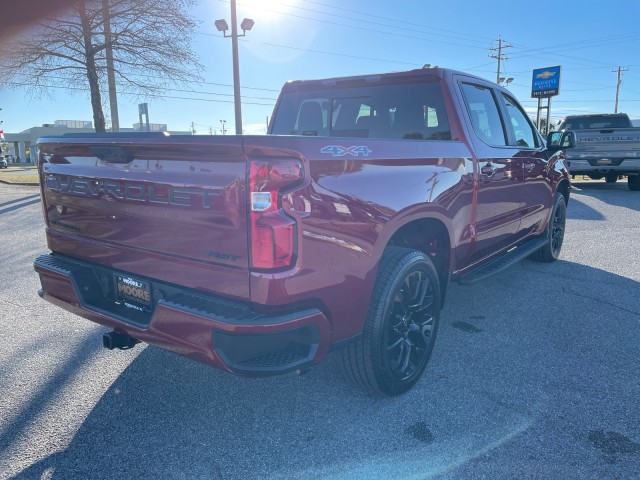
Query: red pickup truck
x=339 y=230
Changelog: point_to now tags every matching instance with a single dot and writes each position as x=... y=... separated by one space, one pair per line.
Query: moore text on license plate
x=133 y=293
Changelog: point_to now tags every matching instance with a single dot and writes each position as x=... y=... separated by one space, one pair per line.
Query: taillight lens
x=272 y=231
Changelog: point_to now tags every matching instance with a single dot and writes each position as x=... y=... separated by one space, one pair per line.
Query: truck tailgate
x=128 y=204
x=619 y=143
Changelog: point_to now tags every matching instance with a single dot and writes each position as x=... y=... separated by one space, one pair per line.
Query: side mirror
x=561 y=140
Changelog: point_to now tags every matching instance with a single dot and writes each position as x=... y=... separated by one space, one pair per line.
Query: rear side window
x=484 y=113
x=393 y=111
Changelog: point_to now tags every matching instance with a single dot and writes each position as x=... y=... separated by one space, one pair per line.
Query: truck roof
x=432 y=73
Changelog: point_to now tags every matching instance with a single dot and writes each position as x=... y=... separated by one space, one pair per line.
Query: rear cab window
x=403 y=110
x=595 y=122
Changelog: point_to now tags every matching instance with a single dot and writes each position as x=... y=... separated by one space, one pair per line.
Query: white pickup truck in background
x=608 y=146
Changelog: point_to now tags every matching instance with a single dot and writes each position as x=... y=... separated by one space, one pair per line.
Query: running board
x=503 y=262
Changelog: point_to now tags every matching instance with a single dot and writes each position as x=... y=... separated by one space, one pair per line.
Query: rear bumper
x=226 y=334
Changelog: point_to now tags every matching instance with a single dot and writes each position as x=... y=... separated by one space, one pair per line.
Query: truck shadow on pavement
x=520 y=374
x=578 y=210
x=620 y=194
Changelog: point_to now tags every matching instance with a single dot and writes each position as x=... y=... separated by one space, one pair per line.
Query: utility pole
x=619 y=70
x=499 y=56
x=193 y=128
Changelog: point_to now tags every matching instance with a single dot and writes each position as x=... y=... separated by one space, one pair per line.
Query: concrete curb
x=24 y=184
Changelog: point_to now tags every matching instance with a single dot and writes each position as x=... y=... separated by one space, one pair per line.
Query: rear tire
x=555 y=232
x=633 y=182
x=400 y=331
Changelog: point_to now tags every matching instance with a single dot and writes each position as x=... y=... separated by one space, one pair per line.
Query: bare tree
x=149 y=50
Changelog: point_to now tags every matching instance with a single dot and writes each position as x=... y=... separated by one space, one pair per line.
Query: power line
x=376 y=31
x=578 y=45
x=309 y=50
x=338 y=54
x=148 y=95
x=403 y=22
x=422 y=28
x=170 y=89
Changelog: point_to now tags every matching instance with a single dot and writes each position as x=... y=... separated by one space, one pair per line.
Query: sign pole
x=545 y=84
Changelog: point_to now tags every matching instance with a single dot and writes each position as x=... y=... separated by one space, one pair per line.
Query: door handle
x=529 y=166
x=488 y=170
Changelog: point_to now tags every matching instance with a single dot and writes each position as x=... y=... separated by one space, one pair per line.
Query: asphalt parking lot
x=534 y=375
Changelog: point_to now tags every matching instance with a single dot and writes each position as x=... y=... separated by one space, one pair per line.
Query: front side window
x=485 y=115
x=408 y=110
x=522 y=128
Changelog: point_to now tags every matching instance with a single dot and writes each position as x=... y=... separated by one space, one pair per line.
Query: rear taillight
x=272 y=231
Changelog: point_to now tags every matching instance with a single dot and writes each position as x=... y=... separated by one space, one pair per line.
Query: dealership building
x=23 y=146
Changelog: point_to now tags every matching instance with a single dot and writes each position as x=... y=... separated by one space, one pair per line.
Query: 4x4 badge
x=340 y=151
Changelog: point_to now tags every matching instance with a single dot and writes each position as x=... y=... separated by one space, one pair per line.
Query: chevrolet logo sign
x=545 y=75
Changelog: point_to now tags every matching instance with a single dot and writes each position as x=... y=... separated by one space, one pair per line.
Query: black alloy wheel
x=557 y=228
x=555 y=232
x=410 y=326
x=400 y=331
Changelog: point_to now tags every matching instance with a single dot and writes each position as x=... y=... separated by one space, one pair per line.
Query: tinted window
x=522 y=127
x=485 y=116
x=407 y=110
x=596 y=122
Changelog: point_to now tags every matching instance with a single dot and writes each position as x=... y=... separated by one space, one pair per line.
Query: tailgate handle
x=112 y=154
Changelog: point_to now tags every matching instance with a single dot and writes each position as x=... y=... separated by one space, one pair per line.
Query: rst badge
x=340 y=151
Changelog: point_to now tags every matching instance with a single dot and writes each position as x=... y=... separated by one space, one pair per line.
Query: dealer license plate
x=133 y=293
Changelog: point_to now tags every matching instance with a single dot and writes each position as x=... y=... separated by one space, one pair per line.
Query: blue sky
x=305 y=39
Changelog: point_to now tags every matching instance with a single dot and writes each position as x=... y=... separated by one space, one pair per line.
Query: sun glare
x=264 y=9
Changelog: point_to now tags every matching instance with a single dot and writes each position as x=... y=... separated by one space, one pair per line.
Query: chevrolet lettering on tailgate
x=139 y=192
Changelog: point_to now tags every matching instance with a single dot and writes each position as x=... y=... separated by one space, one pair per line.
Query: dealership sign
x=546 y=82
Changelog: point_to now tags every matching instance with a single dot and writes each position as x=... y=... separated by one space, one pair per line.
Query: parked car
x=3 y=162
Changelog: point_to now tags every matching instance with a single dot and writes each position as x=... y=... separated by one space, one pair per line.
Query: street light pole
x=236 y=68
x=222 y=26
